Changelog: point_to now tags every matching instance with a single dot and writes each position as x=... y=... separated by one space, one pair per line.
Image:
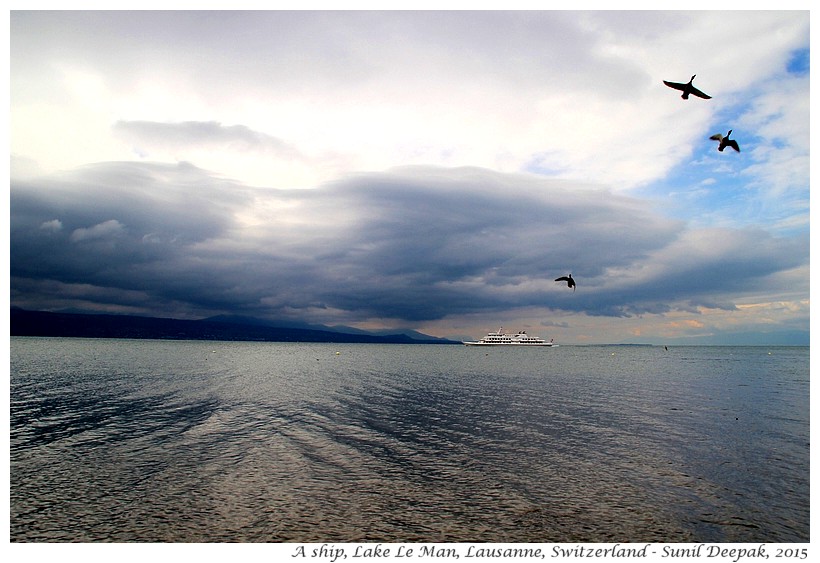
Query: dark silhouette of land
x=81 y=325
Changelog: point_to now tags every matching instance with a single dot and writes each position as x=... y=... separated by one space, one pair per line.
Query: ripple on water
x=189 y=442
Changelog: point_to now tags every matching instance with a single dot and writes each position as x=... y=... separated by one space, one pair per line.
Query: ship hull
x=525 y=344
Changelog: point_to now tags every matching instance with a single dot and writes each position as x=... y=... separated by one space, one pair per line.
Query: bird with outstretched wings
x=725 y=141
x=568 y=279
x=687 y=89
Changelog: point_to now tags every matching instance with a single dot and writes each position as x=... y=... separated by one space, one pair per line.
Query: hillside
x=80 y=325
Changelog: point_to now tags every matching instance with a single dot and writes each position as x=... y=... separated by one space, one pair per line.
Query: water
x=167 y=441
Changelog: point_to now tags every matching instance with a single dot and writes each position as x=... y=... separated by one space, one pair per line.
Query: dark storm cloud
x=411 y=244
x=433 y=242
x=118 y=226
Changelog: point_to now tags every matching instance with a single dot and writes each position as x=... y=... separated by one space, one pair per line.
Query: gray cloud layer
x=411 y=244
x=208 y=133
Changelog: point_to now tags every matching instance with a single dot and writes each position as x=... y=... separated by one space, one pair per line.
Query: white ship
x=500 y=338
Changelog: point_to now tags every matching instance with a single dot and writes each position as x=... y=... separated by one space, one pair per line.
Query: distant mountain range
x=223 y=327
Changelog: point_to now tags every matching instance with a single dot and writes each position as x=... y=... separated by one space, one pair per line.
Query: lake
x=196 y=441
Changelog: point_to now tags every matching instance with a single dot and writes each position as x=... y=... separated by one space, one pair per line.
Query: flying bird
x=687 y=89
x=725 y=141
x=569 y=280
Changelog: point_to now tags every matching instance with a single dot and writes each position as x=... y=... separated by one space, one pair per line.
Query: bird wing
x=675 y=85
x=732 y=143
x=716 y=137
x=562 y=278
x=694 y=91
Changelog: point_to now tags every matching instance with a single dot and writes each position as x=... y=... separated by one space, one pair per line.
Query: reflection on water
x=251 y=442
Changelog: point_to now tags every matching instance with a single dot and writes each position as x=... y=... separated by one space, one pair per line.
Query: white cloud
x=372 y=90
x=105 y=230
x=54 y=225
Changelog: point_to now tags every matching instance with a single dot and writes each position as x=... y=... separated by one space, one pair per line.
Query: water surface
x=184 y=441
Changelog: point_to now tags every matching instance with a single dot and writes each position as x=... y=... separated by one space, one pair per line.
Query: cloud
x=106 y=211
x=451 y=164
x=778 y=116
x=574 y=93
x=408 y=245
x=105 y=230
x=207 y=134
x=53 y=225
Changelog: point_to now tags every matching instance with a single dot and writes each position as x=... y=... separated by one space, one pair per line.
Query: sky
x=429 y=170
